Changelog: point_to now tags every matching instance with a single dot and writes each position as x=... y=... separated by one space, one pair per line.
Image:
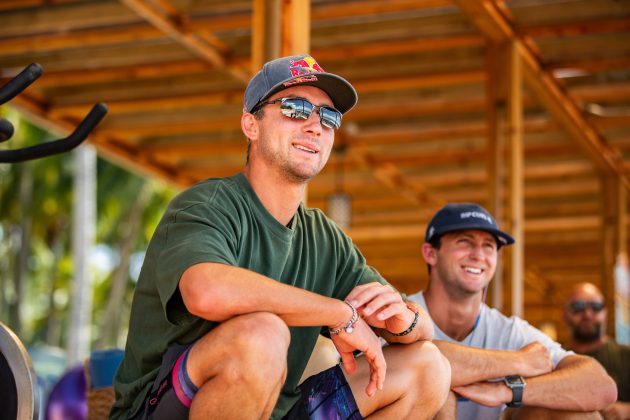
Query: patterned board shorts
x=324 y=396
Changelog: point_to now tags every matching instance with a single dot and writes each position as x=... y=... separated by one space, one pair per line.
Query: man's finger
x=348 y=362
x=363 y=294
x=378 y=369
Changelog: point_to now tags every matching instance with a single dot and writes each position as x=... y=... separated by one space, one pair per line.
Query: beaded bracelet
x=349 y=327
x=413 y=324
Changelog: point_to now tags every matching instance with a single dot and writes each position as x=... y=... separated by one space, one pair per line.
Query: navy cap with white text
x=465 y=216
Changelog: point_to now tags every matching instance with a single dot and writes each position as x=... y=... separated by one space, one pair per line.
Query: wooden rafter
x=489 y=16
x=166 y=18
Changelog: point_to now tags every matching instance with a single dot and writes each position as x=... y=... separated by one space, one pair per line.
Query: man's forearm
x=471 y=364
x=578 y=383
x=217 y=292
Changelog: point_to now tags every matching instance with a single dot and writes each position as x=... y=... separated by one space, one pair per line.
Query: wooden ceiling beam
x=343 y=51
x=23 y=4
x=338 y=10
x=491 y=21
x=52 y=19
x=591 y=65
x=427 y=80
x=138 y=106
x=106 y=75
x=63 y=17
x=89 y=38
x=174 y=24
x=166 y=128
x=575 y=28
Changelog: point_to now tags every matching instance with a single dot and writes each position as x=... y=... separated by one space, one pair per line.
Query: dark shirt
x=616 y=360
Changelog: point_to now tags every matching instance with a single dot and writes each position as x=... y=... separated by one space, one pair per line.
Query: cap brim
x=502 y=237
x=341 y=92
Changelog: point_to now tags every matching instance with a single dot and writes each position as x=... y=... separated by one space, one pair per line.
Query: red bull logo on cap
x=304 y=65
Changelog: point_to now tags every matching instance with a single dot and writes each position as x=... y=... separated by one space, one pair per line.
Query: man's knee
x=260 y=343
x=421 y=375
x=260 y=333
x=427 y=359
x=247 y=348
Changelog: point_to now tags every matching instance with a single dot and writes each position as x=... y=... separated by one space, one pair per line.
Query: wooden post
x=495 y=111
x=614 y=237
x=514 y=134
x=279 y=28
x=266 y=32
x=505 y=154
x=296 y=27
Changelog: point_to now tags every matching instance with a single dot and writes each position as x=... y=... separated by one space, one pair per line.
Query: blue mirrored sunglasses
x=301 y=109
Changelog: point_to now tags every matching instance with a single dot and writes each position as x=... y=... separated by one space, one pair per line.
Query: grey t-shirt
x=495 y=331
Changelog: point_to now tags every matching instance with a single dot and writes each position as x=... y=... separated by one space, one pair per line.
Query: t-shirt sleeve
x=198 y=233
x=352 y=268
x=521 y=333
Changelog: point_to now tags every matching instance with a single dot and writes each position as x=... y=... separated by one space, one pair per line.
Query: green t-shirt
x=616 y=360
x=223 y=221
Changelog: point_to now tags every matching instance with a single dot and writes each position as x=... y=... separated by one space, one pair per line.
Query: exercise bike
x=18 y=383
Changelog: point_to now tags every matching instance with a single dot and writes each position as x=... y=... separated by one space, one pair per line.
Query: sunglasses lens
x=330 y=117
x=301 y=109
x=579 y=306
x=597 y=306
x=296 y=108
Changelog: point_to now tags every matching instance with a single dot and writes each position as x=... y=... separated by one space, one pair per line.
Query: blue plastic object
x=103 y=365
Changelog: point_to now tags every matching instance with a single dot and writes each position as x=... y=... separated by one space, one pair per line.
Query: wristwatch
x=517 y=384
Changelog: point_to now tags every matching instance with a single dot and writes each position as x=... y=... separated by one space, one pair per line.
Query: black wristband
x=413 y=324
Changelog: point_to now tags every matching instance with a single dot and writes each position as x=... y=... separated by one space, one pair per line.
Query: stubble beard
x=288 y=169
x=455 y=287
x=582 y=335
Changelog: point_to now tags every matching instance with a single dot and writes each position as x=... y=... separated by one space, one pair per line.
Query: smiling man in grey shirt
x=496 y=360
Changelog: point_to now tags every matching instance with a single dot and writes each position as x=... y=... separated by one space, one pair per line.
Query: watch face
x=515 y=380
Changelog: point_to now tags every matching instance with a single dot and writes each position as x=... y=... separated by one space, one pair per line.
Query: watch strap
x=517 y=392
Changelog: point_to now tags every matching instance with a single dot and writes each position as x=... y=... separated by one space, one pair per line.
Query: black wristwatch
x=517 y=384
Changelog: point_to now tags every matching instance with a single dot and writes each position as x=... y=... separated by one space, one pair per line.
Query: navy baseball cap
x=298 y=70
x=465 y=216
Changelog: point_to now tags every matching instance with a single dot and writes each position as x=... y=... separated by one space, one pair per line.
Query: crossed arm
x=218 y=292
x=578 y=383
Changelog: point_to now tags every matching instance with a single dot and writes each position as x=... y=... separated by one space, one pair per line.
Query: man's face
x=299 y=149
x=585 y=314
x=466 y=261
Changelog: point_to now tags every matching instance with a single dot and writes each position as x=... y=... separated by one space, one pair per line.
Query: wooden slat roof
x=173 y=73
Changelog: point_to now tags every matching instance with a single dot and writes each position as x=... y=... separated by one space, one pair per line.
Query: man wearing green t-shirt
x=240 y=279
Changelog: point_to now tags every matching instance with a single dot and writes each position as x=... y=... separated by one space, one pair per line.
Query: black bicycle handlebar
x=20 y=82
x=6 y=130
x=58 y=146
x=17 y=85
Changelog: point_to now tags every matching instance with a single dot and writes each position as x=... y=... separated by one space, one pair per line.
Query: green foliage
x=45 y=304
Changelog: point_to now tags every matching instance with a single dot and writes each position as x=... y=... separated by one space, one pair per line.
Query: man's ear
x=429 y=253
x=249 y=125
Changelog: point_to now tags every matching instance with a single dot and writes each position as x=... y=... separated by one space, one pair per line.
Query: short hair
x=436 y=243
